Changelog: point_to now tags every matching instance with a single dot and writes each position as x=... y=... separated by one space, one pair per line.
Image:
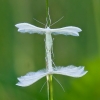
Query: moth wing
x=71 y=70
x=70 y=30
x=28 y=28
x=31 y=78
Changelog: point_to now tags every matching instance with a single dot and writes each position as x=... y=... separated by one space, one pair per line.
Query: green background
x=21 y=53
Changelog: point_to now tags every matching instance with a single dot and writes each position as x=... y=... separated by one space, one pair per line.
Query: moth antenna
x=46 y=23
x=48 y=19
x=42 y=86
x=49 y=16
x=39 y=21
x=59 y=83
x=57 y=21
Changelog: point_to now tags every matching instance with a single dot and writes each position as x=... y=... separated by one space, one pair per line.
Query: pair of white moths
x=71 y=70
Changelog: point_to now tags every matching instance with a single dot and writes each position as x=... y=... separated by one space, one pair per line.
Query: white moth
x=32 y=77
x=71 y=70
x=28 y=28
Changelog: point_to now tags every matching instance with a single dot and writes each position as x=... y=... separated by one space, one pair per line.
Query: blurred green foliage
x=21 y=53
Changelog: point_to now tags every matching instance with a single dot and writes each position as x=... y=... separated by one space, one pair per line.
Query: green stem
x=48 y=20
x=48 y=54
x=47 y=5
x=49 y=87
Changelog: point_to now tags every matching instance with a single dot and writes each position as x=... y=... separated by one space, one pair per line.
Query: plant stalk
x=48 y=46
x=49 y=87
x=48 y=20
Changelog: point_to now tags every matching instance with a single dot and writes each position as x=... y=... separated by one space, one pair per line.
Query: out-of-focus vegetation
x=21 y=53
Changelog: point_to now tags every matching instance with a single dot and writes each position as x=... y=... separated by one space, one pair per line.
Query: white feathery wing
x=28 y=28
x=70 y=71
x=32 y=77
x=69 y=30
